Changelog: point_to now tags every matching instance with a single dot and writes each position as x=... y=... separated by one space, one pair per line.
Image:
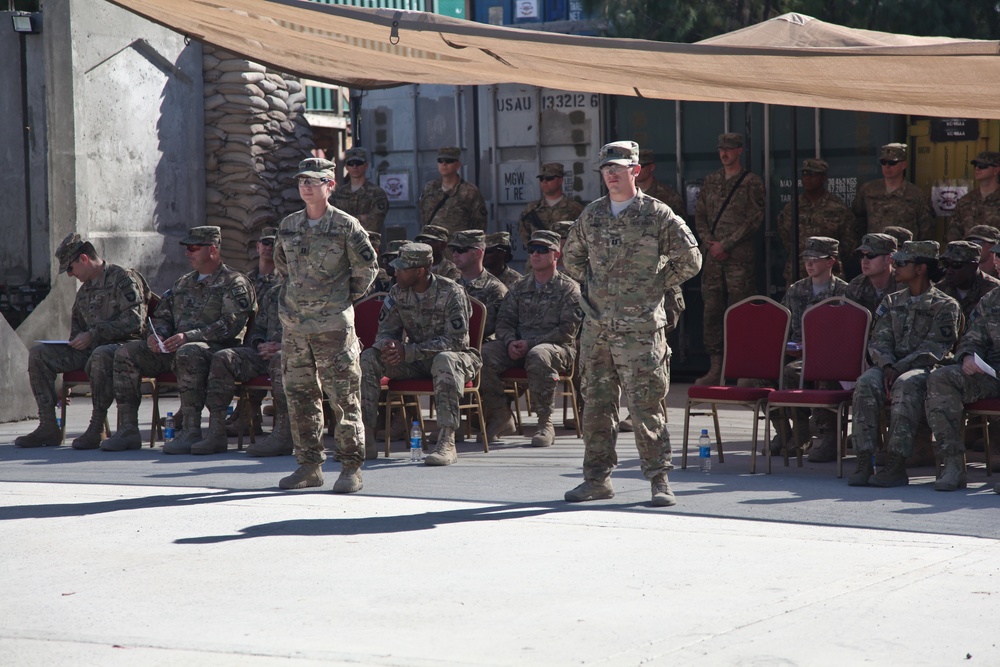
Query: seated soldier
x=423 y=332
x=204 y=312
x=985 y=236
x=259 y=355
x=877 y=277
x=382 y=281
x=536 y=330
x=963 y=280
x=109 y=310
x=437 y=238
x=498 y=254
x=914 y=332
x=467 y=250
x=821 y=257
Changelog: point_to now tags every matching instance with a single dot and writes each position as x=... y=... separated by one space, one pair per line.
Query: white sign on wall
x=396 y=185
x=526 y=9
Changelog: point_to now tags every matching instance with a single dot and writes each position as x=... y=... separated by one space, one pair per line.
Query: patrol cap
x=546 y=238
x=268 y=233
x=894 y=152
x=965 y=252
x=986 y=159
x=205 y=235
x=821 y=246
x=433 y=233
x=878 y=244
x=71 y=247
x=901 y=234
x=912 y=250
x=356 y=153
x=316 y=167
x=985 y=233
x=815 y=165
x=450 y=153
x=413 y=255
x=468 y=238
x=392 y=250
x=552 y=170
x=731 y=140
x=562 y=228
x=375 y=238
x=646 y=156
x=619 y=152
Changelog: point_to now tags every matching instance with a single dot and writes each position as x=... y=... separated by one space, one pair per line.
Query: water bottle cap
x=704 y=431
x=170 y=414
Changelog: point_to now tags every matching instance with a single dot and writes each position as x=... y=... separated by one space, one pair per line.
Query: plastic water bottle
x=168 y=428
x=704 y=452
x=229 y=413
x=416 y=443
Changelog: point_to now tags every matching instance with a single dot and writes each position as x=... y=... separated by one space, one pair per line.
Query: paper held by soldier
x=53 y=342
x=983 y=366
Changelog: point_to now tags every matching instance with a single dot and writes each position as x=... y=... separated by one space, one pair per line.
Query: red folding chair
x=834 y=342
x=984 y=409
x=755 y=334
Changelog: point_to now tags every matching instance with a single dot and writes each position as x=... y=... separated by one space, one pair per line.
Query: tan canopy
x=790 y=60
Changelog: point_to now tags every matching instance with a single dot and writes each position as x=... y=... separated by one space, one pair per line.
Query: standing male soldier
x=982 y=205
x=892 y=200
x=536 y=330
x=360 y=197
x=329 y=264
x=877 y=278
x=729 y=211
x=498 y=254
x=820 y=214
x=646 y=181
x=451 y=201
x=204 y=312
x=914 y=332
x=552 y=207
x=467 y=248
x=626 y=250
x=963 y=281
x=109 y=309
x=433 y=313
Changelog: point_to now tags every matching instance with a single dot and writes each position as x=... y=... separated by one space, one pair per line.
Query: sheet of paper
x=983 y=366
x=53 y=342
x=159 y=341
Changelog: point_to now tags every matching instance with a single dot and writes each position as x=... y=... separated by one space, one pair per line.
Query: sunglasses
x=267 y=242
x=900 y=263
x=313 y=182
x=982 y=165
x=548 y=178
x=889 y=163
x=497 y=249
x=952 y=264
x=447 y=160
x=460 y=249
x=354 y=163
x=539 y=250
x=193 y=248
x=869 y=255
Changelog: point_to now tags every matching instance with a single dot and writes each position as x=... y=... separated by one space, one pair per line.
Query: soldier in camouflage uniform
x=431 y=314
x=982 y=205
x=728 y=214
x=383 y=281
x=451 y=201
x=820 y=214
x=498 y=254
x=892 y=200
x=646 y=181
x=536 y=330
x=963 y=281
x=821 y=258
x=437 y=238
x=915 y=330
x=109 y=309
x=259 y=355
x=468 y=248
x=626 y=250
x=204 y=312
x=949 y=388
x=360 y=197
x=877 y=278
x=552 y=207
x=985 y=237
x=329 y=263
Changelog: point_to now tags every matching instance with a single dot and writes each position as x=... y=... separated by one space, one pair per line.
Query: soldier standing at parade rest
x=892 y=200
x=552 y=207
x=877 y=277
x=498 y=254
x=980 y=206
x=360 y=197
x=451 y=201
x=728 y=214
x=328 y=263
x=109 y=310
x=626 y=249
x=914 y=332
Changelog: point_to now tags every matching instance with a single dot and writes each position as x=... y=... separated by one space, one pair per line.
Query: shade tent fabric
x=790 y=60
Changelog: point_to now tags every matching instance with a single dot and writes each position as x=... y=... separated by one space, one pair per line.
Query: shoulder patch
x=458 y=324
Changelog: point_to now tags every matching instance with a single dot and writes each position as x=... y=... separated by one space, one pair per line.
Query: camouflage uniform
x=446 y=269
x=861 y=291
x=668 y=196
x=624 y=264
x=735 y=278
x=982 y=285
x=436 y=329
x=488 y=289
x=971 y=210
x=327 y=268
x=369 y=200
x=907 y=206
x=828 y=216
x=463 y=206
x=509 y=277
x=548 y=316
x=538 y=215
x=262 y=283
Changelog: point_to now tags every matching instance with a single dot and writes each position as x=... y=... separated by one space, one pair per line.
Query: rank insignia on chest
x=303 y=250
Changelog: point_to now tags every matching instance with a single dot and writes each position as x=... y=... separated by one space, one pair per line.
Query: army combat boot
x=92 y=437
x=444 y=453
x=892 y=474
x=349 y=480
x=545 y=435
x=591 y=489
x=714 y=374
x=240 y=422
x=187 y=436
x=662 y=495
x=47 y=433
x=307 y=474
x=501 y=423
x=863 y=471
x=953 y=476
x=216 y=442
x=127 y=436
x=279 y=443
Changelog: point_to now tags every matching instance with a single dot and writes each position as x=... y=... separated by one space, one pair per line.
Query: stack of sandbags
x=255 y=136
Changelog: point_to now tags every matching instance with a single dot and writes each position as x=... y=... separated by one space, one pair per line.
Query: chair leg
x=388 y=418
x=687 y=423
x=767 y=441
x=986 y=445
x=517 y=409
x=62 y=419
x=753 y=444
x=577 y=417
x=718 y=432
x=154 y=427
